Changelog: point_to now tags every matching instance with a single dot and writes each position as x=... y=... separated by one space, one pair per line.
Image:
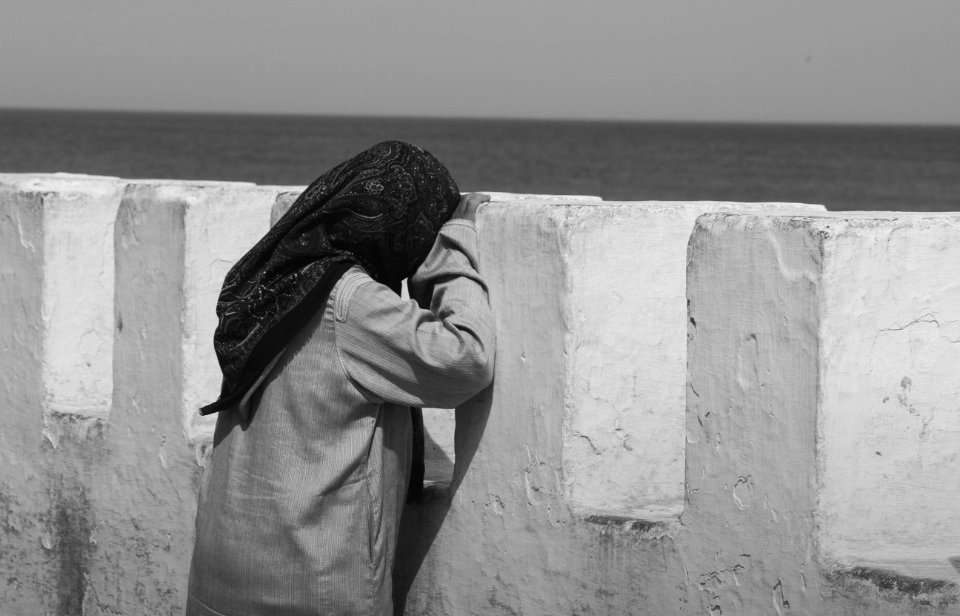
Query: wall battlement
x=697 y=407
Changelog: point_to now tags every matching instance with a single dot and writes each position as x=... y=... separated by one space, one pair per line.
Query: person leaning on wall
x=300 y=502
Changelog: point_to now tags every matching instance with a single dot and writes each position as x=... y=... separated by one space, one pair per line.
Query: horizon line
x=461 y=118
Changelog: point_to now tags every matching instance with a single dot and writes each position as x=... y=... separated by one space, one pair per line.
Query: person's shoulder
x=351 y=279
x=357 y=292
x=345 y=288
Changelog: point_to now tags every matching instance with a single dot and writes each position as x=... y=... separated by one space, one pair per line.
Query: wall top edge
x=198 y=192
x=748 y=206
x=647 y=208
x=58 y=175
x=59 y=182
x=58 y=178
x=497 y=196
x=827 y=223
x=833 y=216
x=284 y=189
x=190 y=183
x=78 y=182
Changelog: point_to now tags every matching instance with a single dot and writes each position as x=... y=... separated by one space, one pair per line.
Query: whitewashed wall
x=600 y=474
x=809 y=448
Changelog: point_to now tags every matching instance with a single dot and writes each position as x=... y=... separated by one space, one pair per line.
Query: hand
x=469 y=203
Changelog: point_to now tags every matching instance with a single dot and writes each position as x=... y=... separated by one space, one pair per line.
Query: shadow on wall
x=423 y=520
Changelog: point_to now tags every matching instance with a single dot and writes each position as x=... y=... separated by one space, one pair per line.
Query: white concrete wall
x=207 y=227
x=796 y=338
x=880 y=347
x=440 y=424
x=56 y=368
x=107 y=290
x=751 y=418
x=221 y=221
x=889 y=416
x=625 y=301
x=62 y=227
x=509 y=539
x=568 y=492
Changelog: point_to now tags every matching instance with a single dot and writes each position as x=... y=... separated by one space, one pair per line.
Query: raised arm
x=395 y=351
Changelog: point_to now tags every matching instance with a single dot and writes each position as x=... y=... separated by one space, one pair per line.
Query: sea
x=844 y=167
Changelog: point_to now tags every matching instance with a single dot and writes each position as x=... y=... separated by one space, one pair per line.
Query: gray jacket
x=300 y=503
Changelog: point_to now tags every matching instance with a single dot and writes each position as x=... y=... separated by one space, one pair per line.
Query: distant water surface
x=842 y=167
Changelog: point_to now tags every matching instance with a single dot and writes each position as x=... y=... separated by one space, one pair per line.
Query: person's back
x=300 y=502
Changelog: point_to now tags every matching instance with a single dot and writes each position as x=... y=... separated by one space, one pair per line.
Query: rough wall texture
x=889 y=417
x=625 y=326
x=100 y=469
x=764 y=370
x=56 y=367
x=752 y=392
x=506 y=539
x=600 y=474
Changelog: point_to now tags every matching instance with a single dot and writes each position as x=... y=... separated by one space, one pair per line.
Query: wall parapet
x=632 y=454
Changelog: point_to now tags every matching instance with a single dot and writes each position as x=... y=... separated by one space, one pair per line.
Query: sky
x=860 y=61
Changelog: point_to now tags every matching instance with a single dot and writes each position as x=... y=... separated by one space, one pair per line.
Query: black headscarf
x=381 y=210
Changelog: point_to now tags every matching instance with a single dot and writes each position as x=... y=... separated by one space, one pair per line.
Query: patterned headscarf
x=381 y=210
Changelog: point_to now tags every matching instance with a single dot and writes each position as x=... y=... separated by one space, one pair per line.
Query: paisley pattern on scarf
x=381 y=210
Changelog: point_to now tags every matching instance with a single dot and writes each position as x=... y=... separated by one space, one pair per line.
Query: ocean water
x=842 y=167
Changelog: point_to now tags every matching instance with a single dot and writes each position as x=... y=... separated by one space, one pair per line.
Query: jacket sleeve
x=437 y=356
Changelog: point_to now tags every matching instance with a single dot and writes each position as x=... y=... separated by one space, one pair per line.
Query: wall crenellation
x=697 y=407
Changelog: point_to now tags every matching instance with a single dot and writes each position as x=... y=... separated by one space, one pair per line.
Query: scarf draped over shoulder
x=381 y=210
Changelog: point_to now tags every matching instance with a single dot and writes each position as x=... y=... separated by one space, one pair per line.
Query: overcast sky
x=740 y=60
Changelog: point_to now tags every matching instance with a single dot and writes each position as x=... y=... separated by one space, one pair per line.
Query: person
x=299 y=503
